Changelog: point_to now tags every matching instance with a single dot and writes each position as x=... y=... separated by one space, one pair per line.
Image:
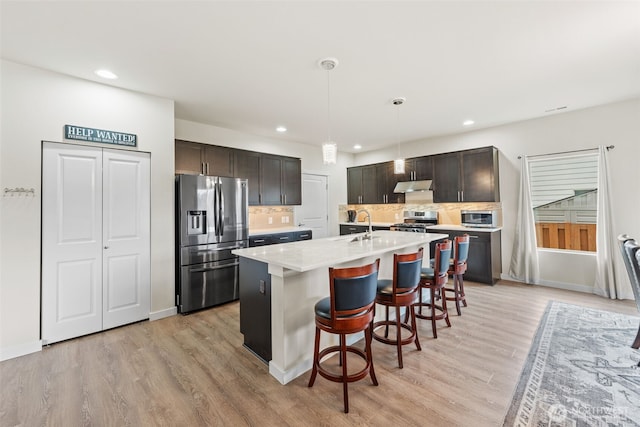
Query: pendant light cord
x=398 y=127
x=328 y=106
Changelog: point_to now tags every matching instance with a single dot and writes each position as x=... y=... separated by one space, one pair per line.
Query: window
x=564 y=194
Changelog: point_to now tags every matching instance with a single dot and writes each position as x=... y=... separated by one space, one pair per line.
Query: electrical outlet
x=270 y=220
x=283 y=219
x=397 y=216
x=286 y=220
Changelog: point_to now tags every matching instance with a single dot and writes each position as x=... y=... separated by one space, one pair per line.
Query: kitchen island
x=290 y=279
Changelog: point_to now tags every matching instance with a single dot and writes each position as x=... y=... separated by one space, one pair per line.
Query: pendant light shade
x=398 y=164
x=329 y=153
x=329 y=148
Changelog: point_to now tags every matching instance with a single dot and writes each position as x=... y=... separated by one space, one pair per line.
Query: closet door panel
x=71 y=241
x=126 y=237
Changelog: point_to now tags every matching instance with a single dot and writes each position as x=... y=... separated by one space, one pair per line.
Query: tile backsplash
x=266 y=217
x=448 y=213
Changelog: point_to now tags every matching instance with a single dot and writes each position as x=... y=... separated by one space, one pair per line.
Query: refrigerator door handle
x=221 y=213
x=217 y=267
x=216 y=231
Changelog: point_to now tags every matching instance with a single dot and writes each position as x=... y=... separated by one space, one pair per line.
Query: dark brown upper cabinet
x=362 y=185
x=247 y=165
x=372 y=184
x=466 y=176
x=386 y=182
x=418 y=169
x=188 y=158
x=280 y=180
x=272 y=180
x=202 y=159
x=218 y=160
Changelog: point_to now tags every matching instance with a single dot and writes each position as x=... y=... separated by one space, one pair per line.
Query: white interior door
x=126 y=283
x=314 y=212
x=71 y=241
x=95 y=239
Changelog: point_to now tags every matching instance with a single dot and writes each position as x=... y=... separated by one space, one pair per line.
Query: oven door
x=208 y=284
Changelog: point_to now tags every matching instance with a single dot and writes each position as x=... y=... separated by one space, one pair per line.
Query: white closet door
x=126 y=284
x=71 y=241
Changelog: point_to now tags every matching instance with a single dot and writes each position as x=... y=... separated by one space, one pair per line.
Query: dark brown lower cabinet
x=355 y=229
x=485 y=254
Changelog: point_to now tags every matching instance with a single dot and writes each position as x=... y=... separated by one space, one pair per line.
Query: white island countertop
x=327 y=252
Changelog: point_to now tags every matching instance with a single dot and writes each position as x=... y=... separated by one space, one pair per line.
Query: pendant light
x=329 y=148
x=398 y=163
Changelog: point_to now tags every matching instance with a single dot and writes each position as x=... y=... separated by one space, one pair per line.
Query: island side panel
x=255 y=307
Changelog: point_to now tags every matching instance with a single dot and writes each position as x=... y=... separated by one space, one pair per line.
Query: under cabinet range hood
x=411 y=186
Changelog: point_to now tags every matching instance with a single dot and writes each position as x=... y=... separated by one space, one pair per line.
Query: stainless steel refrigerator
x=211 y=221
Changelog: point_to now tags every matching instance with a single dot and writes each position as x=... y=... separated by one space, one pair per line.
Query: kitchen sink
x=361 y=237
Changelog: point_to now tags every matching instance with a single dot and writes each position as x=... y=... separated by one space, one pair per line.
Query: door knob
x=106 y=247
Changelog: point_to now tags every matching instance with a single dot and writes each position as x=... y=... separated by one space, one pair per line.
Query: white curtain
x=606 y=243
x=524 y=258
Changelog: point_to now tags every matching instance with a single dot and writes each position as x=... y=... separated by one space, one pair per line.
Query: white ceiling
x=252 y=66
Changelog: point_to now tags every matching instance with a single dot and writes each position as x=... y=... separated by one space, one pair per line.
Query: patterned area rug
x=580 y=371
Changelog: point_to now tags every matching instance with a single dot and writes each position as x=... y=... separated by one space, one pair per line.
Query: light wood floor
x=192 y=370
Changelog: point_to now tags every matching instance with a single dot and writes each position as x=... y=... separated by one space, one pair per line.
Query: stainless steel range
x=416 y=221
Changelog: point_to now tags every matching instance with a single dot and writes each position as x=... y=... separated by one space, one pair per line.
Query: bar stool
x=399 y=292
x=348 y=309
x=456 y=269
x=434 y=279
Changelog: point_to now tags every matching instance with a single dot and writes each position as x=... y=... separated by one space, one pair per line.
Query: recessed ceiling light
x=468 y=123
x=106 y=74
x=357 y=147
x=281 y=129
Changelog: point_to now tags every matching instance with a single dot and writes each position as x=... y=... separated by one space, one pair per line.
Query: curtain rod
x=608 y=147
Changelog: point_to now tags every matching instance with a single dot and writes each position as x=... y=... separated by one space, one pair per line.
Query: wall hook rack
x=19 y=192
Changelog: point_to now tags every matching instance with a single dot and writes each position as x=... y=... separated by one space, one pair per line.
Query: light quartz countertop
x=263 y=231
x=317 y=253
x=463 y=228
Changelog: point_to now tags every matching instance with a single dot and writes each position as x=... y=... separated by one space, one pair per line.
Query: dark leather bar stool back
x=348 y=309
x=400 y=292
x=434 y=279
x=457 y=268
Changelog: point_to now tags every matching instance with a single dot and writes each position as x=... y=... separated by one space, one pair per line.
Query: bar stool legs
x=437 y=312
x=349 y=309
x=434 y=279
x=458 y=293
x=345 y=378
x=401 y=291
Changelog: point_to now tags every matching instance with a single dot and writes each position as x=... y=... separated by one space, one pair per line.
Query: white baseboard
x=161 y=314
x=568 y=286
x=558 y=285
x=14 y=351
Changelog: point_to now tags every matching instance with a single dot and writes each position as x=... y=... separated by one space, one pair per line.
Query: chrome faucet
x=368 y=218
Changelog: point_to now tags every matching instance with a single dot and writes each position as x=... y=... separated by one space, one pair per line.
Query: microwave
x=473 y=218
